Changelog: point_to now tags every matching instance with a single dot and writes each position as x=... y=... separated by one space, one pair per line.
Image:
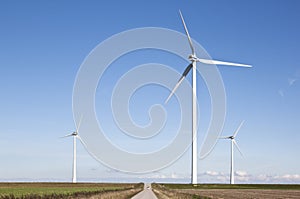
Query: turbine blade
x=216 y=62
x=187 y=70
x=237 y=130
x=187 y=34
x=175 y=88
x=184 y=74
x=69 y=135
x=77 y=128
x=225 y=137
x=234 y=142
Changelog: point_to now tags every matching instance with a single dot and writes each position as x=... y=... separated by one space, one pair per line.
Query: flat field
x=67 y=190
x=241 y=191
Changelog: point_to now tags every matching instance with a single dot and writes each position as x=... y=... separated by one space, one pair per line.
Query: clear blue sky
x=43 y=44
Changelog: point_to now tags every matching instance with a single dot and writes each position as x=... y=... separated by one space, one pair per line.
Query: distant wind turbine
x=194 y=59
x=75 y=136
x=233 y=142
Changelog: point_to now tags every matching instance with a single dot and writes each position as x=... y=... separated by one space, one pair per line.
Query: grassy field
x=58 y=190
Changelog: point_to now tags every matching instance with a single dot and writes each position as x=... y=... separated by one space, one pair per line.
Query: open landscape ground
x=68 y=190
x=226 y=191
x=162 y=191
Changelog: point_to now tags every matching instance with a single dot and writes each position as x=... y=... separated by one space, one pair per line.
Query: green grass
x=235 y=186
x=42 y=189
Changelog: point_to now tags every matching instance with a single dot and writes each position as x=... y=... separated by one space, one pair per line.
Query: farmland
x=68 y=190
x=242 y=191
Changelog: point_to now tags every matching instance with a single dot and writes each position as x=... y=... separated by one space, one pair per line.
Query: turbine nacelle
x=192 y=58
x=74 y=133
x=71 y=135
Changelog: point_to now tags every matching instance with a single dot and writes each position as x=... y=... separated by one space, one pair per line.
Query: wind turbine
x=75 y=136
x=233 y=142
x=194 y=59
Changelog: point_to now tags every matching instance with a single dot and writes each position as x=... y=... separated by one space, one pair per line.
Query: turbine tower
x=194 y=59
x=75 y=136
x=233 y=142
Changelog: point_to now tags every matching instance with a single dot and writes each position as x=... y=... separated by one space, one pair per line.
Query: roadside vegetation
x=68 y=190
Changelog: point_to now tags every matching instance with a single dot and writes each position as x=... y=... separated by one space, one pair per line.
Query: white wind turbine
x=194 y=59
x=75 y=136
x=233 y=142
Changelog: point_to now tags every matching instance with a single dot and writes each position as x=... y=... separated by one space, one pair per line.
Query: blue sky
x=43 y=44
